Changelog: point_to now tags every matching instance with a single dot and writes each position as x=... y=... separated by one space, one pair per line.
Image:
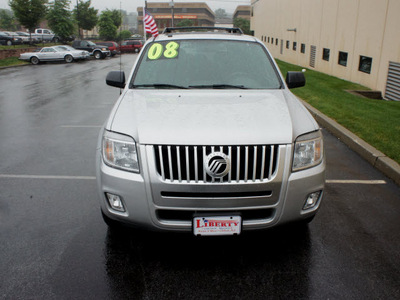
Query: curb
x=7 y=67
x=375 y=157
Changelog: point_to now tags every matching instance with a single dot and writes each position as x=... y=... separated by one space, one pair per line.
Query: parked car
x=131 y=46
x=6 y=39
x=25 y=36
x=12 y=40
x=206 y=137
x=97 y=51
x=56 y=53
x=21 y=39
x=112 y=46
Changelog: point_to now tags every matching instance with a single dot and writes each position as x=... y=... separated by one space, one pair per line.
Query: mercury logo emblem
x=217 y=164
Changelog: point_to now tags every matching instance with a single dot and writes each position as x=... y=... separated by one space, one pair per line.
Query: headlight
x=308 y=151
x=104 y=49
x=119 y=151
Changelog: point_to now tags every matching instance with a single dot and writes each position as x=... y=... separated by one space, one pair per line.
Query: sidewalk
x=376 y=158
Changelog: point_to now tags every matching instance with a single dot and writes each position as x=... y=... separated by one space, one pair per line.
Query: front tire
x=68 y=59
x=9 y=43
x=35 y=60
x=97 y=55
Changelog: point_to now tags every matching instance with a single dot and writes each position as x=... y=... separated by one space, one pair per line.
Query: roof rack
x=206 y=28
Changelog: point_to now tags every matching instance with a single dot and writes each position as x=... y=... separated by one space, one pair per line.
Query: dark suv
x=97 y=51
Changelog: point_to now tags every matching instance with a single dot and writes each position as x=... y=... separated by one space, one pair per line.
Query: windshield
x=199 y=64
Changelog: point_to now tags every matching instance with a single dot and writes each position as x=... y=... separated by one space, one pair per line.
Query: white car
x=55 y=53
x=207 y=138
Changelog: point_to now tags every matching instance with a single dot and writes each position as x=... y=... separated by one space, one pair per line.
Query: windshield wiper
x=217 y=86
x=159 y=85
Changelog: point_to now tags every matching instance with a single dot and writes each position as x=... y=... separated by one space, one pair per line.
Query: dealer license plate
x=220 y=225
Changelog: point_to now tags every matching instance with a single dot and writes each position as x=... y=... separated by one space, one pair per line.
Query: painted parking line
x=46 y=177
x=80 y=126
x=342 y=181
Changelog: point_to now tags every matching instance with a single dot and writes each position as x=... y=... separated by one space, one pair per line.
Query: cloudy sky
x=131 y=5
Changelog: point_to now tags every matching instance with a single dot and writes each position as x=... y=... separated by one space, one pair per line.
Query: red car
x=113 y=46
x=131 y=46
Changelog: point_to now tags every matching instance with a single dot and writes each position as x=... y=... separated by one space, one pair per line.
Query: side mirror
x=116 y=78
x=295 y=79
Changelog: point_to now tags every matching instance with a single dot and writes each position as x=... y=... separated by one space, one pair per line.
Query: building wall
x=242 y=11
x=368 y=28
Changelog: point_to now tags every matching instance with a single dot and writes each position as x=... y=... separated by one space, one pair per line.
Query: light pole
x=77 y=17
x=172 y=12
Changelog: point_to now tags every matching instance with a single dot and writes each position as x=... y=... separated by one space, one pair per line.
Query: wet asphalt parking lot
x=54 y=244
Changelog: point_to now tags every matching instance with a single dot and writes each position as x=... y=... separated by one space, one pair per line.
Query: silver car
x=207 y=138
x=56 y=53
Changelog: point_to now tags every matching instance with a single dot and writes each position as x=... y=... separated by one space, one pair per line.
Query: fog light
x=312 y=200
x=115 y=202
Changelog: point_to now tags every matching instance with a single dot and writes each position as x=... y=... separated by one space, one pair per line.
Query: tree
x=185 y=23
x=60 y=18
x=29 y=13
x=107 y=27
x=242 y=24
x=124 y=34
x=220 y=13
x=116 y=17
x=85 y=16
x=7 y=20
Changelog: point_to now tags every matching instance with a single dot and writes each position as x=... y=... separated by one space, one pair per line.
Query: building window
x=294 y=46
x=272 y=41
x=342 y=58
x=268 y=40
x=276 y=42
x=287 y=44
x=365 y=64
x=325 y=54
x=303 y=48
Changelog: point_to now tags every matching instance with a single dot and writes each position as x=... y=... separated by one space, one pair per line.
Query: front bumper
x=155 y=204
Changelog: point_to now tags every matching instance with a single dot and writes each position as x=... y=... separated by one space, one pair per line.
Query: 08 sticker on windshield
x=163 y=51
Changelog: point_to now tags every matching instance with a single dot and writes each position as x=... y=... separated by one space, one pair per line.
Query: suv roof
x=232 y=30
x=203 y=33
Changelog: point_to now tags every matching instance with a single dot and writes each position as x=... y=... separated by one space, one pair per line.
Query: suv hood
x=216 y=117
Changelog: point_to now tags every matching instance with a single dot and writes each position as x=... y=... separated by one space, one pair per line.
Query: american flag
x=149 y=24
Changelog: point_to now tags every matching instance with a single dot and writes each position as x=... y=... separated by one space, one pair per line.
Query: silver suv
x=206 y=137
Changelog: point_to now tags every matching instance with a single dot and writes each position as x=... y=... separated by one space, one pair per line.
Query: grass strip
x=375 y=121
x=11 y=61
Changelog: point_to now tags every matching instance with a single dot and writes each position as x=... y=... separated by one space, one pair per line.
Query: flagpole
x=144 y=27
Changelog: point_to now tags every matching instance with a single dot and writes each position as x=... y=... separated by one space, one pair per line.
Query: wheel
x=34 y=60
x=136 y=50
x=97 y=55
x=9 y=43
x=68 y=58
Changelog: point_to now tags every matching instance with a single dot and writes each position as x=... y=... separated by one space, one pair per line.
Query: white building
x=357 y=40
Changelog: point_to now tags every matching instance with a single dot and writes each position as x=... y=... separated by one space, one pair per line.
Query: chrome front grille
x=256 y=163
